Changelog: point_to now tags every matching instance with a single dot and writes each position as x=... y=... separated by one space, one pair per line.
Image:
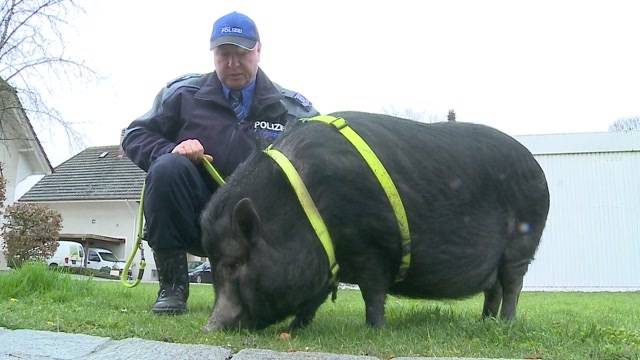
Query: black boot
x=174 y=282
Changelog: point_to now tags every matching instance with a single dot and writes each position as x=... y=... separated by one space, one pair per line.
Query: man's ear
x=246 y=223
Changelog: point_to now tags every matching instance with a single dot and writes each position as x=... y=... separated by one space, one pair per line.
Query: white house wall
x=9 y=160
x=106 y=218
x=9 y=168
x=20 y=158
x=592 y=238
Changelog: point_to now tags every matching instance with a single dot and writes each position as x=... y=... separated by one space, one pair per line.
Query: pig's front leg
x=374 y=304
x=307 y=312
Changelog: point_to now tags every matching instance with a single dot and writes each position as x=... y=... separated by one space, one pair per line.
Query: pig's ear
x=246 y=222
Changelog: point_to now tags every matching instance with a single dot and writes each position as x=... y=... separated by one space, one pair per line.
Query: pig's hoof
x=378 y=324
x=210 y=328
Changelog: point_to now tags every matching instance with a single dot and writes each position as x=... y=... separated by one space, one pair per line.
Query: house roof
x=577 y=143
x=12 y=109
x=96 y=173
x=82 y=238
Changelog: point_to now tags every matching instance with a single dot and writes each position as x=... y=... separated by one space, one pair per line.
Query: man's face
x=236 y=67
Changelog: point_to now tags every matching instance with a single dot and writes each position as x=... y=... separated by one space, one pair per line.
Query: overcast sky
x=523 y=67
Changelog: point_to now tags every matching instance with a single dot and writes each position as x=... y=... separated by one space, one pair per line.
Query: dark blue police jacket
x=194 y=107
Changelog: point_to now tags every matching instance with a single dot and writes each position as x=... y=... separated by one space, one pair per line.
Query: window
x=93 y=256
x=107 y=256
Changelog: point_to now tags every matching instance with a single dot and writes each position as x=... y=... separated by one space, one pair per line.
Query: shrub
x=30 y=233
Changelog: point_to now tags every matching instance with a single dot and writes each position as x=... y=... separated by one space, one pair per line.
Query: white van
x=100 y=259
x=69 y=253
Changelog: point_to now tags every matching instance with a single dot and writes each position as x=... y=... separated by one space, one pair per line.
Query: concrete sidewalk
x=45 y=345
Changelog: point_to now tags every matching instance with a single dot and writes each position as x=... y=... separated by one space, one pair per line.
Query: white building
x=592 y=238
x=97 y=193
x=21 y=153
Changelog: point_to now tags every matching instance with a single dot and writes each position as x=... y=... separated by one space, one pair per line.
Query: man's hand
x=190 y=148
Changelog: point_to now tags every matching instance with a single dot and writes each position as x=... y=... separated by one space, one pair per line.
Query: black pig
x=476 y=202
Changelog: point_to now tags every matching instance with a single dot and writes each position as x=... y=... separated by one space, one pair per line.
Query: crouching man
x=227 y=114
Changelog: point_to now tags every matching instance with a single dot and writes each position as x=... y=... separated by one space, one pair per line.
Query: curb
x=47 y=345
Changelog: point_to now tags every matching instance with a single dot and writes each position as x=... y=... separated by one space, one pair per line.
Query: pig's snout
x=226 y=314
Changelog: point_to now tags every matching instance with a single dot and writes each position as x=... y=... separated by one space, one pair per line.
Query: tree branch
x=32 y=14
x=31 y=50
x=37 y=62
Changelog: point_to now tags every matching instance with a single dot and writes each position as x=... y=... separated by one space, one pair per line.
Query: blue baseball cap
x=236 y=29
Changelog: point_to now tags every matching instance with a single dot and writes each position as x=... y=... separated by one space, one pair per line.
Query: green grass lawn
x=549 y=325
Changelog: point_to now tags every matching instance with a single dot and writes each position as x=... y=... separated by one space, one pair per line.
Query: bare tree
x=411 y=114
x=32 y=57
x=626 y=124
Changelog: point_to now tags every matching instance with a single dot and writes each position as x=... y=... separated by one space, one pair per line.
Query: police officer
x=227 y=114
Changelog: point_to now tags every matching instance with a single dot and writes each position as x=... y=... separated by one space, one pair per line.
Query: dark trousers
x=176 y=192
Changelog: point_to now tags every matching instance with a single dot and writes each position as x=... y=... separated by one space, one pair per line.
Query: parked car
x=69 y=253
x=193 y=264
x=201 y=273
x=104 y=260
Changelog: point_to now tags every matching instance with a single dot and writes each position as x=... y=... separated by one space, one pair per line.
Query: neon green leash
x=207 y=162
x=124 y=277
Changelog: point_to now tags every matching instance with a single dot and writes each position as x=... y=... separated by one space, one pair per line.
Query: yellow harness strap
x=383 y=178
x=309 y=207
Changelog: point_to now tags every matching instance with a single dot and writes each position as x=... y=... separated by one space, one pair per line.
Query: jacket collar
x=265 y=93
